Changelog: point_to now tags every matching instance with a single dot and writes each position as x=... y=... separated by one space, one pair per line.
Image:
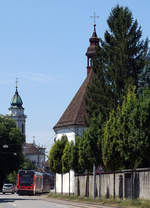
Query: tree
x=11 y=178
x=27 y=164
x=126 y=140
x=110 y=148
x=90 y=144
x=123 y=55
x=74 y=159
x=126 y=54
x=11 y=141
x=67 y=154
x=98 y=98
x=55 y=155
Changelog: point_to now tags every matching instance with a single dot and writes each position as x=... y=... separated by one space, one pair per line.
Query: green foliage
x=111 y=156
x=90 y=144
x=127 y=134
x=27 y=164
x=74 y=160
x=66 y=158
x=11 y=136
x=122 y=57
x=55 y=155
x=125 y=52
x=12 y=177
x=98 y=94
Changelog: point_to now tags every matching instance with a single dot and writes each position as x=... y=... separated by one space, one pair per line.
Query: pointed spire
x=94 y=35
x=16 y=100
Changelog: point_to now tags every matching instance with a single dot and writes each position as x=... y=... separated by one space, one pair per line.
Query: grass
x=137 y=203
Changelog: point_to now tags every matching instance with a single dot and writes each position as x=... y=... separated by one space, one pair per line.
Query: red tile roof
x=75 y=112
x=32 y=149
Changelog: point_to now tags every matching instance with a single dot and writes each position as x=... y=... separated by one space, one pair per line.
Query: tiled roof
x=75 y=112
x=32 y=149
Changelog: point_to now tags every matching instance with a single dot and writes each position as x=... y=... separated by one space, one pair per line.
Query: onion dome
x=94 y=43
x=16 y=100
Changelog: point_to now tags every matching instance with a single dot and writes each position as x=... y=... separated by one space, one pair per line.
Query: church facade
x=72 y=121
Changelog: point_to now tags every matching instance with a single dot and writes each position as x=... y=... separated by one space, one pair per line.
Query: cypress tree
x=127 y=135
x=56 y=154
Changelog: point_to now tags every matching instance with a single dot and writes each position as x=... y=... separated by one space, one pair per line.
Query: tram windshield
x=26 y=178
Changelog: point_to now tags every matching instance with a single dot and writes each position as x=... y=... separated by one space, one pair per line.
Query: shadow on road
x=12 y=199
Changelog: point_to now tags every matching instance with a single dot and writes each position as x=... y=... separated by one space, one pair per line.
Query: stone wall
x=122 y=184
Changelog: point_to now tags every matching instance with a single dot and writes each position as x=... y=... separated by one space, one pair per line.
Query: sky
x=43 y=44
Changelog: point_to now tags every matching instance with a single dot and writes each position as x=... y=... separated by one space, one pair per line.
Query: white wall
x=66 y=183
x=37 y=159
x=71 y=132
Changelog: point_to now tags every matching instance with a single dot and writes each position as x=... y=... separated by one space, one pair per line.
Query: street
x=15 y=201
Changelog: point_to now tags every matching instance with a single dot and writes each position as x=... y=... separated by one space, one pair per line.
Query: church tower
x=16 y=111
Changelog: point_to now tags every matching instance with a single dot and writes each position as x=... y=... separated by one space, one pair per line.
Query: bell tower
x=16 y=111
x=91 y=51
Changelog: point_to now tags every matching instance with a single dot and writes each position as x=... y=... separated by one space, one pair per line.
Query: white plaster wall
x=38 y=159
x=65 y=183
x=72 y=182
x=58 y=183
x=71 y=132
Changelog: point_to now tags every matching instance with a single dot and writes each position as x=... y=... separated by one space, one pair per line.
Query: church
x=33 y=152
x=72 y=121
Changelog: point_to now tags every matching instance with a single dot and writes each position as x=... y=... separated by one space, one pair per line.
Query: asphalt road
x=15 y=201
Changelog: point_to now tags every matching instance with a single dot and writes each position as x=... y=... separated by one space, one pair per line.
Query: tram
x=32 y=182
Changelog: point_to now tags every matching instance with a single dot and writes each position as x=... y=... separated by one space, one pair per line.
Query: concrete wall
x=123 y=184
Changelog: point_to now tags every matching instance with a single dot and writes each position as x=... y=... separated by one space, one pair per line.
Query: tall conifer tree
x=125 y=52
x=118 y=63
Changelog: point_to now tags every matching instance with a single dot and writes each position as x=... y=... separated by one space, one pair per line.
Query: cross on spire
x=94 y=17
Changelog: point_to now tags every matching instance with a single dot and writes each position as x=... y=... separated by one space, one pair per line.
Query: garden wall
x=121 y=184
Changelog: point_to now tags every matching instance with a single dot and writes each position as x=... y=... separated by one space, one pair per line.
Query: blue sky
x=43 y=43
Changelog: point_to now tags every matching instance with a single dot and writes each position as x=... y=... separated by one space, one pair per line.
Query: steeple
x=91 y=51
x=16 y=100
x=16 y=110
